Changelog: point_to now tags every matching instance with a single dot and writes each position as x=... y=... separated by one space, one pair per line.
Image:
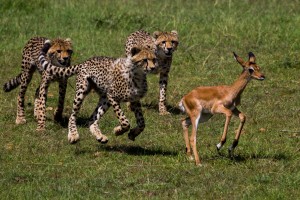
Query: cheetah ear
x=134 y=51
x=68 y=40
x=174 y=32
x=156 y=34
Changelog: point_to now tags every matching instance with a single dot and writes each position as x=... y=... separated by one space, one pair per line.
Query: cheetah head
x=60 y=52
x=144 y=58
x=166 y=42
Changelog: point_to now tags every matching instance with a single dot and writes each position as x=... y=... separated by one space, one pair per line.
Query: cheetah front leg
x=125 y=126
x=163 y=82
x=101 y=109
x=36 y=103
x=137 y=109
x=82 y=89
x=41 y=107
x=61 y=100
x=25 y=80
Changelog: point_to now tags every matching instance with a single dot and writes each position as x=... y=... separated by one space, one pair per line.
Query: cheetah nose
x=65 y=58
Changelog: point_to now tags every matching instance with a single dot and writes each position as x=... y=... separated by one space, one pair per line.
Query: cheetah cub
x=59 y=54
x=116 y=80
x=164 y=44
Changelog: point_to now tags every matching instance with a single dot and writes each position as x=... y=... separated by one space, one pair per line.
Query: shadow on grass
x=80 y=121
x=253 y=156
x=277 y=157
x=137 y=150
x=173 y=110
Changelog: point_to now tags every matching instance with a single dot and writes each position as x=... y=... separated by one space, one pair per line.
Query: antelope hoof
x=219 y=146
x=230 y=152
x=199 y=165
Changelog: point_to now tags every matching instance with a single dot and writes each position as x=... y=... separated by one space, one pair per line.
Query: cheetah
x=59 y=54
x=163 y=44
x=116 y=80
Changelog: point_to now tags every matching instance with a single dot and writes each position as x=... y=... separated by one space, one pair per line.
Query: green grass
x=37 y=165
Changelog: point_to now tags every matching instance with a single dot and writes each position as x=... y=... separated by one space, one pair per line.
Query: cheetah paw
x=164 y=112
x=103 y=139
x=73 y=137
x=119 y=130
x=20 y=120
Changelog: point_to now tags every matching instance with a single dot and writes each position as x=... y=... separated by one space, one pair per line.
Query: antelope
x=202 y=103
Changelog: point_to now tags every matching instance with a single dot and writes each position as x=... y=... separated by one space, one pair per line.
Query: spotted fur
x=116 y=80
x=163 y=44
x=59 y=54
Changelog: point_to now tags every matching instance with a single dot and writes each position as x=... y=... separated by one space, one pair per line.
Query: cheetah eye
x=58 y=51
x=173 y=42
x=145 y=60
x=164 y=42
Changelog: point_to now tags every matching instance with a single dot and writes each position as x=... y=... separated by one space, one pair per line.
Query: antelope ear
x=134 y=51
x=156 y=34
x=251 y=57
x=238 y=59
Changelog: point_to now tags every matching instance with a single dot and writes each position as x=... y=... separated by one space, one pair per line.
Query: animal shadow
x=245 y=157
x=136 y=150
x=80 y=121
x=154 y=106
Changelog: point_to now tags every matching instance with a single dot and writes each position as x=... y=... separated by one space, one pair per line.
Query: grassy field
x=37 y=165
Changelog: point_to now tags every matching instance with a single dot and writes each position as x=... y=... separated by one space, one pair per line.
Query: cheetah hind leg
x=36 y=103
x=35 y=110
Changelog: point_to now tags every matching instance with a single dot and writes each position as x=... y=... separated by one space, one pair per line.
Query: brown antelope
x=203 y=102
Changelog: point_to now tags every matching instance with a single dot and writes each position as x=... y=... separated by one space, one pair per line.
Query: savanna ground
x=36 y=165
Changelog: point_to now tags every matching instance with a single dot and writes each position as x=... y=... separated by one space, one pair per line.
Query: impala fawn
x=203 y=102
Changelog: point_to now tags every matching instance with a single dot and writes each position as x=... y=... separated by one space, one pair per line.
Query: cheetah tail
x=42 y=57
x=12 y=83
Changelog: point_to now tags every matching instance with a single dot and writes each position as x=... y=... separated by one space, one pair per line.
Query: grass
x=37 y=165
